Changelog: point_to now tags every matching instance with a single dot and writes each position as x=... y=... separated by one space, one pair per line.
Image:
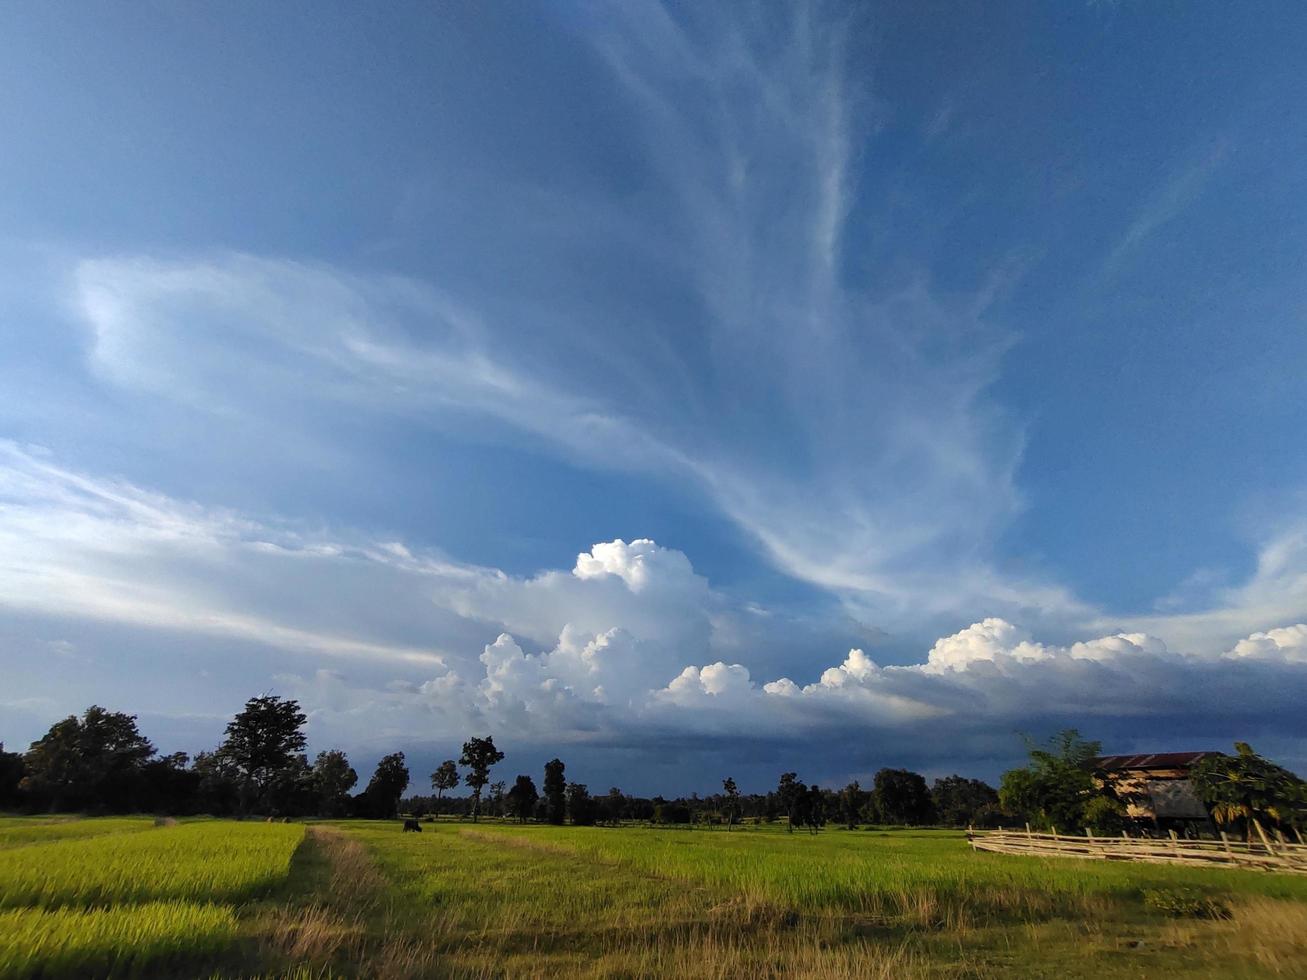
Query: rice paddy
x=221 y=899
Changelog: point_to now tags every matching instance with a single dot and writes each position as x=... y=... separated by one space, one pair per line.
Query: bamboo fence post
x=1225 y=839
x=1175 y=844
x=1262 y=833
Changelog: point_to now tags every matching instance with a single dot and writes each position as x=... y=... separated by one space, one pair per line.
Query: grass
x=19 y=831
x=881 y=873
x=217 y=861
x=128 y=939
x=362 y=899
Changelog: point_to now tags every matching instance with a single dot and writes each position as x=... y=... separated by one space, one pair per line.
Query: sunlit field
x=363 y=899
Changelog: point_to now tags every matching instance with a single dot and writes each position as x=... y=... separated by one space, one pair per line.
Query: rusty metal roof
x=1154 y=760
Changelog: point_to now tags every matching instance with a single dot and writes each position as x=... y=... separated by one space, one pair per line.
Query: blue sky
x=967 y=339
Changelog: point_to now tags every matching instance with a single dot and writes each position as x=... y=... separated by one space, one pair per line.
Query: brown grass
x=1272 y=934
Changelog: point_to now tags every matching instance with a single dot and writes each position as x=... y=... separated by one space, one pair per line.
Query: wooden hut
x=1155 y=788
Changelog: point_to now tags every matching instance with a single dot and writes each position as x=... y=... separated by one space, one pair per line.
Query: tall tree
x=94 y=760
x=387 y=785
x=1250 y=790
x=902 y=796
x=445 y=777
x=333 y=778
x=790 y=794
x=555 y=791
x=263 y=741
x=732 y=802
x=479 y=754
x=522 y=798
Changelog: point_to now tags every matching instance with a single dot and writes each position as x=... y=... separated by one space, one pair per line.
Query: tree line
x=100 y=762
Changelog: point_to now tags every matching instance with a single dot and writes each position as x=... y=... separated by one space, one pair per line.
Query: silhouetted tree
x=811 y=810
x=902 y=796
x=852 y=801
x=263 y=741
x=333 y=778
x=522 y=798
x=958 y=801
x=445 y=777
x=479 y=754
x=92 y=761
x=732 y=802
x=580 y=805
x=169 y=785
x=12 y=772
x=790 y=794
x=386 y=786
x=613 y=806
x=219 y=785
x=555 y=791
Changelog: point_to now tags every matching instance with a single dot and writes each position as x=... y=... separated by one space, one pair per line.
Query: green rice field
x=216 y=899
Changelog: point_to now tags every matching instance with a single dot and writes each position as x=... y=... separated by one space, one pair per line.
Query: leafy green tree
x=445 y=777
x=522 y=798
x=1057 y=785
x=580 y=805
x=95 y=760
x=732 y=802
x=957 y=800
x=852 y=800
x=479 y=754
x=1250 y=790
x=387 y=785
x=902 y=797
x=263 y=742
x=790 y=794
x=555 y=791
x=333 y=778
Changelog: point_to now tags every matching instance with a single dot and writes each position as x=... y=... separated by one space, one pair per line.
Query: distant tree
x=555 y=791
x=170 y=785
x=497 y=799
x=445 y=777
x=522 y=798
x=333 y=778
x=263 y=741
x=218 y=792
x=92 y=761
x=812 y=809
x=902 y=796
x=790 y=794
x=12 y=772
x=613 y=806
x=479 y=754
x=1057 y=785
x=1246 y=789
x=958 y=800
x=386 y=786
x=852 y=801
x=732 y=802
x=580 y=805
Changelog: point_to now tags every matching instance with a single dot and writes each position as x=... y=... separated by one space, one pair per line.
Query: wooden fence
x=1265 y=855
